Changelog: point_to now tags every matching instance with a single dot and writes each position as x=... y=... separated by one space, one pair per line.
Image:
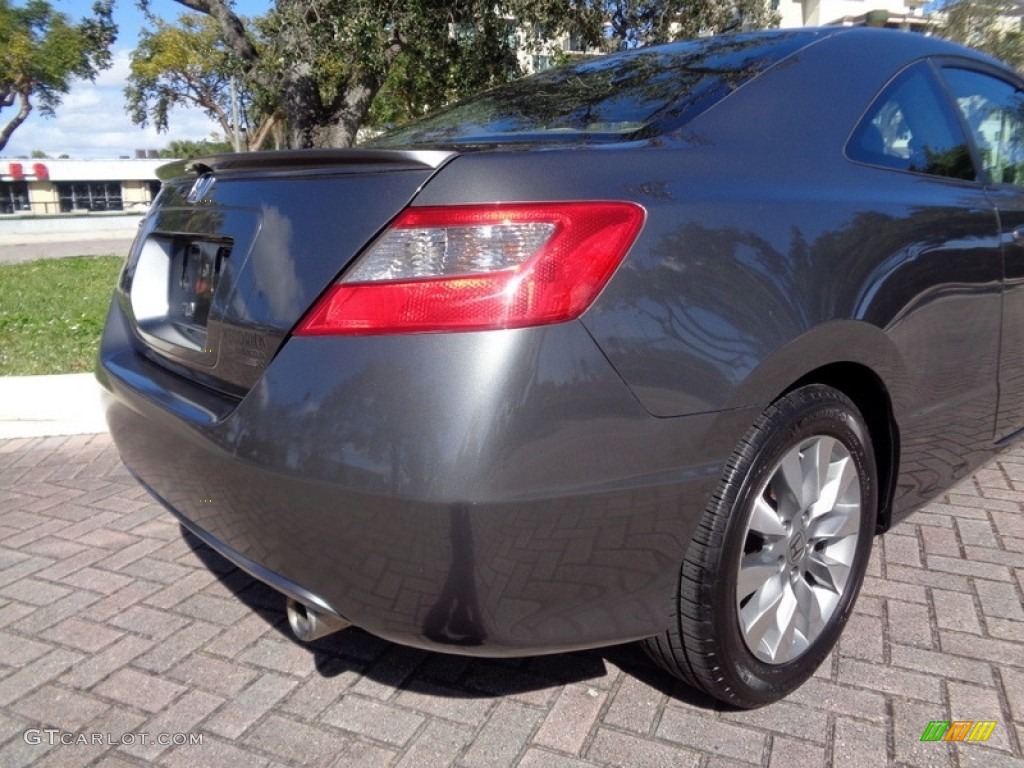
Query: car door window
x=910 y=127
x=994 y=111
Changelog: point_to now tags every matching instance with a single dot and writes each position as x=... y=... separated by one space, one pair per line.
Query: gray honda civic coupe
x=648 y=347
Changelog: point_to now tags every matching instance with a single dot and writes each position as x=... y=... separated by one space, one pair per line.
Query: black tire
x=730 y=645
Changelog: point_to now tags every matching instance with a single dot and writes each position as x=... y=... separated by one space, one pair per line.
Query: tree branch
x=263 y=132
x=18 y=119
x=235 y=34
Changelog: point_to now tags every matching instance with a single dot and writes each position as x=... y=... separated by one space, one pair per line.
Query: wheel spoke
x=756 y=569
x=760 y=617
x=813 y=613
x=841 y=551
x=765 y=520
x=817 y=461
x=847 y=484
x=837 y=486
x=836 y=523
x=788 y=481
x=789 y=616
x=801 y=540
x=828 y=574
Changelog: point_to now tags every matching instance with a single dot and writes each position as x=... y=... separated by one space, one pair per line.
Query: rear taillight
x=479 y=267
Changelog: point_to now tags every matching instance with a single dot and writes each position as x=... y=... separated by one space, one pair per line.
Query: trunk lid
x=238 y=247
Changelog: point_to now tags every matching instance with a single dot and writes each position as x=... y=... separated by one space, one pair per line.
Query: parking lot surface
x=124 y=641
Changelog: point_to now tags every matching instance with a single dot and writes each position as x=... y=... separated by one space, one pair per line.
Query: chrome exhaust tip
x=309 y=624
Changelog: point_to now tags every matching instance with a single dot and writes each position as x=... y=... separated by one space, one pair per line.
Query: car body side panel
x=889 y=232
x=735 y=213
x=804 y=258
x=497 y=490
x=1009 y=202
x=535 y=489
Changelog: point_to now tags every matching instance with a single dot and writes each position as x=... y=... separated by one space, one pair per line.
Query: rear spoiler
x=306 y=161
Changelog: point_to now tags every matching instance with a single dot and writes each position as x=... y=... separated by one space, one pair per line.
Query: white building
x=898 y=14
x=44 y=186
x=904 y=14
x=536 y=56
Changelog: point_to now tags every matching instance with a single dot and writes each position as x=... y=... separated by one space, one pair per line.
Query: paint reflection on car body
x=535 y=489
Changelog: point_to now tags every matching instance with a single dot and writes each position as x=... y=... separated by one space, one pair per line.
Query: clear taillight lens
x=479 y=267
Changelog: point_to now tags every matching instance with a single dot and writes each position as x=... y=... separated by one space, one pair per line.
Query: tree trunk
x=355 y=106
x=311 y=122
x=269 y=125
x=304 y=110
x=23 y=113
x=314 y=124
x=234 y=30
x=18 y=119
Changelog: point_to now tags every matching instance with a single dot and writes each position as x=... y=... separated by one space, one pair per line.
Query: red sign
x=40 y=170
x=17 y=172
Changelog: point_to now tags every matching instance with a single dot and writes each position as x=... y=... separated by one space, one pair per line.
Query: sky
x=92 y=123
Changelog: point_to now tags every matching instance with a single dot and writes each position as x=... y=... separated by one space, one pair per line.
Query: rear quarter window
x=994 y=112
x=607 y=97
x=911 y=127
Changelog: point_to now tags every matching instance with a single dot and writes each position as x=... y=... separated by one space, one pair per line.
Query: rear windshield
x=623 y=95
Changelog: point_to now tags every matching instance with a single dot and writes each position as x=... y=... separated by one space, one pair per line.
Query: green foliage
x=182 y=64
x=185 y=149
x=415 y=83
x=646 y=22
x=992 y=26
x=52 y=312
x=188 y=63
x=335 y=58
x=43 y=52
x=324 y=63
x=331 y=66
x=588 y=99
x=441 y=64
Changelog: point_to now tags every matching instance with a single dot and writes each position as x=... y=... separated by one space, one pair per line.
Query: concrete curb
x=64 y=404
x=41 y=406
x=17 y=254
x=52 y=229
x=46 y=238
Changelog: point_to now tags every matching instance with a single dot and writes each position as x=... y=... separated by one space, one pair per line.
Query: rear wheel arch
x=871 y=396
x=771 y=574
x=871 y=373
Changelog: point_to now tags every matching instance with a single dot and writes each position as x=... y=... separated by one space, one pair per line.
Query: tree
x=189 y=64
x=185 y=149
x=43 y=51
x=632 y=23
x=992 y=26
x=328 y=63
x=328 y=59
x=446 y=63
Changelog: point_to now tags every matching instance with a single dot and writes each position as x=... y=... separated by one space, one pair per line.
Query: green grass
x=52 y=312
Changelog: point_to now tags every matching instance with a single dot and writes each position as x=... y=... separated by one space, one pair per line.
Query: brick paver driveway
x=118 y=631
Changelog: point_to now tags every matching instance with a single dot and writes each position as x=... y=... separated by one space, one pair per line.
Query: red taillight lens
x=479 y=267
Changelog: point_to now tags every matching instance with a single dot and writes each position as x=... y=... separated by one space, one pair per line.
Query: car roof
x=621 y=97
x=914 y=43
x=806 y=106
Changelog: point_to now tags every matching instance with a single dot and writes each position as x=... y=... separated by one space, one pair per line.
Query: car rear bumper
x=490 y=493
